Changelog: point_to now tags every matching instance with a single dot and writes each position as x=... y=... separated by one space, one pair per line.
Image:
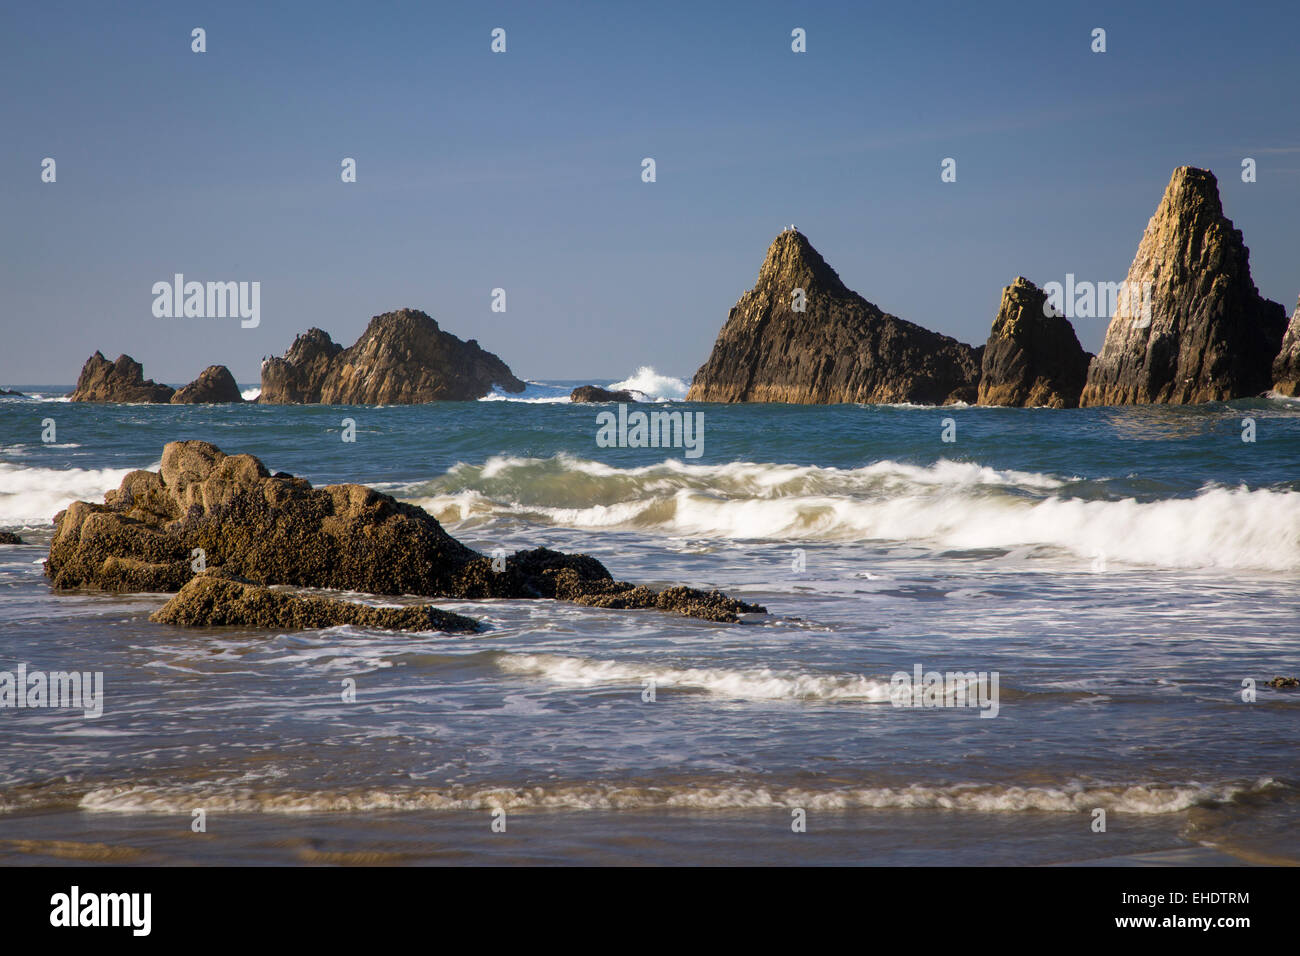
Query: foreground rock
x=1032 y=358
x=120 y=381
x=1286 y=367
x=214 y=386
x=208 y=509
x=213 y=600
x=1210 y=335
x=594 y=393
x=403 y=358
x=841 y=348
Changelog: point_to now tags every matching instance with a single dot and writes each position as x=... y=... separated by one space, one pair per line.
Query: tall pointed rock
x=838 y=348
x=1207 y=335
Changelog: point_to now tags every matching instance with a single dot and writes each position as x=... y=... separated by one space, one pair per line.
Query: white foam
x=35 y=495
x=1145 y=799
x=251 y=394
x=753 y=684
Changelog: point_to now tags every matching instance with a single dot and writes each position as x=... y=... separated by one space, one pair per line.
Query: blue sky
x=522 y=170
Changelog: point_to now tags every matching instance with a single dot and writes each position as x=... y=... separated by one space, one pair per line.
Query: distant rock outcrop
x=1286 y=367
x=594 y=393
x=1208 y=335
x=838 y=348
x=8 y=537
x=120 y=381
x=1032 y=358
x=403 y=358
x=214 y=386
x=5 y=393
x=228 y=512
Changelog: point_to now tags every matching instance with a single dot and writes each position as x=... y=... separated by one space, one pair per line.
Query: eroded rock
x=839 y=348
x=1032 y=358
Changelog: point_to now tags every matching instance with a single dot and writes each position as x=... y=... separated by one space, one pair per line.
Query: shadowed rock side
x=214 y=386
x=1286 y=367
x=1211 y=336
x=841 y=348
x=594 y=393
x=120 y=381
x=213 y=599
x=280 y=530
x=403 y=358
x=1032 y=358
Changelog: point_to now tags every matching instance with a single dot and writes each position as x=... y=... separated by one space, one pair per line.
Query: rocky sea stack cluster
x=123 y=381
x=1190 y=327
x=403 y=358
x=594 y=393
x=227 y=518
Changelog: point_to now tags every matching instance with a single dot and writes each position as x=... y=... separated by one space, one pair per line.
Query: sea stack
x=1033 y=358
x=403 y=358
x=1286 y=367
x=119 y=381
x=214 y=386
x=1193 y=327
x=801 y=336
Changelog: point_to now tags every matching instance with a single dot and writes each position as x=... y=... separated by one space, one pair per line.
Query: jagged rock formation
x=1286 y=367
x=120 y=381
x=403 y=358
x=1032 y=358
x=594 y=393
x=214 y=510
x=841 y=348
x=214 y=386
x=1210 y=335
x=215 y=599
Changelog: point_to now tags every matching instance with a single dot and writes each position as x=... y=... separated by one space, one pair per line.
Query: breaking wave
x=947 y=505
x=32 y=496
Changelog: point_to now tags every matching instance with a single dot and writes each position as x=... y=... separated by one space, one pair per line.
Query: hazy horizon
x=522 y=170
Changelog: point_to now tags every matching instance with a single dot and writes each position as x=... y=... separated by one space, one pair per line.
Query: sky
x=522 y=170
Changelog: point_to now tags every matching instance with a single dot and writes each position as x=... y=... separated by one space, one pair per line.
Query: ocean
x=1131 y=576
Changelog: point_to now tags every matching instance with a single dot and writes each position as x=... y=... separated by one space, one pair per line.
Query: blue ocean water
x=1127 y=573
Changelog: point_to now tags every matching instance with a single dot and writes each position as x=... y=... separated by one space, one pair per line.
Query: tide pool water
x=1130 y=575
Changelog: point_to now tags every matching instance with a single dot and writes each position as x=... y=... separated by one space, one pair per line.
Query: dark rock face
x=841 y=348
x=213 y=599
x=403 y=358
x=121 y=381
x=1286 y=367
x=280 y=530
x=594 y=393
x=8 y=537
x=1032 y=358
x=296 y=379
x=214 y=386
x=8 y=394
x=1210 y=335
